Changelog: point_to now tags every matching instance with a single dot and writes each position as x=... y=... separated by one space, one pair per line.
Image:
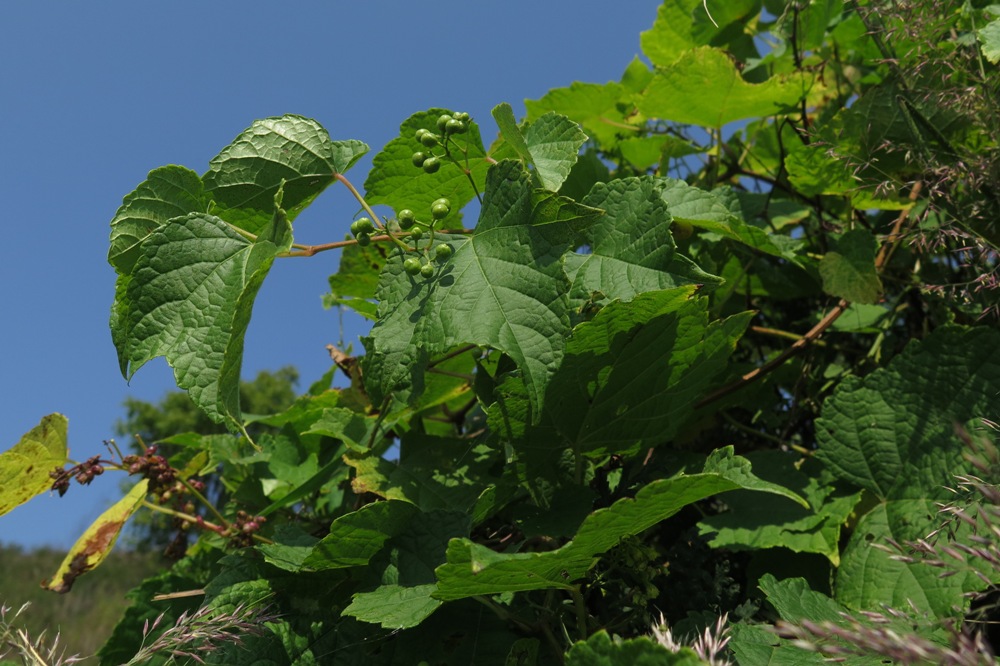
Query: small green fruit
x=412 y=265
x=362 y=225
x=443 y=252
x=440 y=211
x=429 y=139
x=406 y=219
x=427 y=270
x=419 y=134
x=419 y=158
x=455 y=127
x=416 y=233
x=364 y=239
x=442 y=122
x=461 y=116
x=432 y=164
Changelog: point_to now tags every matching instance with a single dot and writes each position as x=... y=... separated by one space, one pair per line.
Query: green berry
x=406 y=219
x=419 y=158
x=461 y=116
x=427 y=270
x=419 y=134
x=364 y=239
x=416 y=233
x=362 y=225
x=442 y=122
x=429 y=139
x=455 y=127
x=432 y=164
x=443 y=252
x=412 y=265
x=440 y=210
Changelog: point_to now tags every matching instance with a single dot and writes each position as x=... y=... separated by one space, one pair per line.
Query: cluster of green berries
x=448 y=124
x=362 y=229
x=407 y=220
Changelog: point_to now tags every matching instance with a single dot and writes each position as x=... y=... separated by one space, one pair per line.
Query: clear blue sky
x=94 y=95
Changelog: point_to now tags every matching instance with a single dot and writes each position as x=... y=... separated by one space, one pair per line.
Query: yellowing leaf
x=24 y=469
x=95 y=544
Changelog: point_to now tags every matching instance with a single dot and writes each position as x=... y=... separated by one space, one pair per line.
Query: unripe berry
x=412 y=265
x=442 y=122
x=364 y=239
x=429 y=139
x=418 y=158
x=440 y=208
x=455 y=127
x=406 y=219
x=427 y=270
x=432 y=164
x=443 y=252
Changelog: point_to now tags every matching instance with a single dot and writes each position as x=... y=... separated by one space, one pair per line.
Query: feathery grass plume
x=206 y=630
x=709 y=645
x=33 y=652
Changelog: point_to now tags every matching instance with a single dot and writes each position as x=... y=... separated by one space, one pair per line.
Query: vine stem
x=884 y=253
x=368 y=209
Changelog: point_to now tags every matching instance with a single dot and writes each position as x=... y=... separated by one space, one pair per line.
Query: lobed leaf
x=393 y=606
x=189 y=298
x=849 y=271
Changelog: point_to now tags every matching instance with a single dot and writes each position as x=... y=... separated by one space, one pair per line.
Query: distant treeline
x=83 y=618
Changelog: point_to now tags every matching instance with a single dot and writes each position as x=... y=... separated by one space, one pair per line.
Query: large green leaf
x=168 y=192
x=893 y=431
x=25 y=467
x=766 y=521
x=630 y=249
x=703 y=87
x=473 y=569
x=631 y=375
x=189 y=299
x=870 y=578
x=289 y=152
x=551 y=144
x=504 y=288
x=356 y=537
x=684 y=24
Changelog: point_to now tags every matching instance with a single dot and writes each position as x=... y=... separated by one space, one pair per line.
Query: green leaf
x=765 y=521
x=989 y=37
x=870 y=579
x=503 y=288
x=631 y=249
x=432 y=473
x=25 y=467
x=703 y=87
x=893 y=431
x=395 y=182
x=97 y=541
x=290 y=153
x=394 y=607
x=594 y=106
x=551 y=144
x=189 y=299
x=849 y=271
x=356 y=537
x=600 y=650
x=714 y=211
x=812 y=170
x=635 y=371
x=168 y=192
x=473 y=569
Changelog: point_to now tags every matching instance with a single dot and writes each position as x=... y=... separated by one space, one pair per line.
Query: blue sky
x=95 y=95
